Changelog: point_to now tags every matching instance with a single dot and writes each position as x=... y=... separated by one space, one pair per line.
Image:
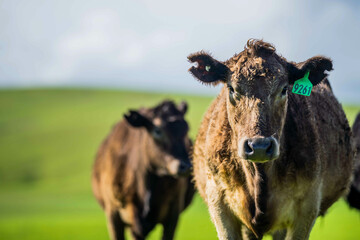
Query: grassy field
x=48 y=139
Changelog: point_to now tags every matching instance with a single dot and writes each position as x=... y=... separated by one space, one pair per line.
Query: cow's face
x=257 y=86
x=168 y=151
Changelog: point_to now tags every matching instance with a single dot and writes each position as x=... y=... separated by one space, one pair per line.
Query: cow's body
x=283 y=197
x=131 y=190
x=353 y=197
x=297 y=175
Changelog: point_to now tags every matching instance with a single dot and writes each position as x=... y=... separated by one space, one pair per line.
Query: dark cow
x=141 y=172
x=353 y=197
x=268 y=161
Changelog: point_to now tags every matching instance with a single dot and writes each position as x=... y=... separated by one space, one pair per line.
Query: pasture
x=48 y=139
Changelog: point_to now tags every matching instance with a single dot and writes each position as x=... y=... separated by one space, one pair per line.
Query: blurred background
x=70 y=69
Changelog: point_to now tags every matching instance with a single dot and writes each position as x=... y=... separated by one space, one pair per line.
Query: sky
x=143 y=44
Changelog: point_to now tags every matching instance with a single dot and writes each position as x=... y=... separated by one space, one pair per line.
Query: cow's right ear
x=208 y=69
x=135 y=119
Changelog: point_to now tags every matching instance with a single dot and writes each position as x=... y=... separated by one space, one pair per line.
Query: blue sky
x=144 y=44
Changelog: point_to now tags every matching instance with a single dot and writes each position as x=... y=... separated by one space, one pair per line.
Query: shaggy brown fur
x=353 y=197
x=308 y=159
x=140 y=175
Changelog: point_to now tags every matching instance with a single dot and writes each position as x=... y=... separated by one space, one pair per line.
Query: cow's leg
x=136 y=236
x=141 y=231
x=115 y=226
x=247 y=234
x=301 y=231
x=306 y=218
x=141 y=226
x=170 y=225
x=225 y=223
x=279 y=235
x=172 y=217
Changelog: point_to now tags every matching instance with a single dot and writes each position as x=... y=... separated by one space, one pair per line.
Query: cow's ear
x=183 y=107
x=135 y=119
x=208 y=69
x=317 y=66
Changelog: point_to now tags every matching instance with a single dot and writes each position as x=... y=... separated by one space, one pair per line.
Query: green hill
x=48 y=139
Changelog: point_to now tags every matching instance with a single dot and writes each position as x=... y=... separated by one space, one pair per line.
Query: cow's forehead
x=256 y=66
x=168 y=117
x=251 y=71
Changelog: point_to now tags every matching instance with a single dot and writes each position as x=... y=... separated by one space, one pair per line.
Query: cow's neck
x=253 y=181
x=140 y=165
x=256 y=182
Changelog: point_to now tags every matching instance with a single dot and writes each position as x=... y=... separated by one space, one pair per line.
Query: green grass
x=48 y=139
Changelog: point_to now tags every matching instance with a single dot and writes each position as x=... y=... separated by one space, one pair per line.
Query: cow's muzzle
x=259 y=149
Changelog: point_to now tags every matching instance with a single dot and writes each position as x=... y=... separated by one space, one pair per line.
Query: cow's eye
x=232 y=95
x=231 y=89
x=284 y=91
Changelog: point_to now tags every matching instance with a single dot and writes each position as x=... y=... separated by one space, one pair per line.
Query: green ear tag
x=303 y=86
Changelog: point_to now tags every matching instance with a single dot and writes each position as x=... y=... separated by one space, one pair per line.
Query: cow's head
x=257 y=87
x=168 y=150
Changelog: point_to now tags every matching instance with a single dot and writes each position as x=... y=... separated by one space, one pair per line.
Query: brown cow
x=353 y=197
x=141 y=172
x=268 y=161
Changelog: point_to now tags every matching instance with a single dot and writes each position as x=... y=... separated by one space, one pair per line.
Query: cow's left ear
x=208 y=69
x=183 y=107
x=315 y=65
x=135 y=119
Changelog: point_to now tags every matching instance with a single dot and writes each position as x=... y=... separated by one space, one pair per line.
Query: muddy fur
x=134 y=178
x=283 y=197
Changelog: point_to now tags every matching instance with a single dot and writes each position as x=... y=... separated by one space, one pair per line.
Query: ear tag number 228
x=303 y=86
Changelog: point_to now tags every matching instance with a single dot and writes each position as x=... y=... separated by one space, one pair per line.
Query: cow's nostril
x=248 y=147
x=270 y=149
